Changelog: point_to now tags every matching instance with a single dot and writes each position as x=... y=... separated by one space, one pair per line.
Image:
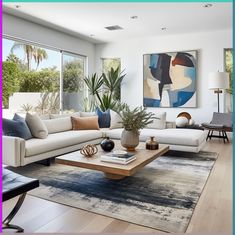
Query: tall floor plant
x=102 y=89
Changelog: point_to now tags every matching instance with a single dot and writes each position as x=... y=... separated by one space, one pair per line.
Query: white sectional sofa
x=178 y=139
x=62 y=139
x=19 y=152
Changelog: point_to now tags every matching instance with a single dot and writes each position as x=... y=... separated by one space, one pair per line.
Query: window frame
x=61 y=52
x=226 y=93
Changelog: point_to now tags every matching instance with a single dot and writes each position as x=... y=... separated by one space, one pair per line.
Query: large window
x=107 y=64
x=73 y=85
x=32 y=79
x=228 y=60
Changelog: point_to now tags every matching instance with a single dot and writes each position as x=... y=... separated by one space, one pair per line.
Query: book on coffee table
x=120 y=159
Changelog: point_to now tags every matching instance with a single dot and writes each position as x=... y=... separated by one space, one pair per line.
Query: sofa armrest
x=13 y=150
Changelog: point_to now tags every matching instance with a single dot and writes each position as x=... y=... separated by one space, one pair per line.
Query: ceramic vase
x=151 y=144
x=107 y=144
x=130 y=140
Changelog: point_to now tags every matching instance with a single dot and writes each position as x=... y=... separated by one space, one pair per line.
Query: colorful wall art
x=170 y=79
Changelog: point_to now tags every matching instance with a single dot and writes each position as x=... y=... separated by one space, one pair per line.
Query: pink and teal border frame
x=130 y=1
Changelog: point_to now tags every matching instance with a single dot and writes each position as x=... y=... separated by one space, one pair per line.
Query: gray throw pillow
x=36 y=126
x=16 y=127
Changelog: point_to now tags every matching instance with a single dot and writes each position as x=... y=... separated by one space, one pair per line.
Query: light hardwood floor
x=213 y=213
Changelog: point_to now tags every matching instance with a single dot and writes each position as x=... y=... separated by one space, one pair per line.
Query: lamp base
x=218 y=92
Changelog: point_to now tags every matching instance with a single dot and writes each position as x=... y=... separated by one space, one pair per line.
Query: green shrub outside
x=10 y=80
x=39 y=81
x=15 y=79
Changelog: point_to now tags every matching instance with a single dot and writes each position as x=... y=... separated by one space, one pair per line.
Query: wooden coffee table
x=113 y=170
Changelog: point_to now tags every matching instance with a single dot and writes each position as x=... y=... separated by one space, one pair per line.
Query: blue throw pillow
x=16 y=127
x=103 y=118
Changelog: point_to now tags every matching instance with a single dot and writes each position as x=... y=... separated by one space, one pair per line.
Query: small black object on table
x=15 y=185
x=107 y=144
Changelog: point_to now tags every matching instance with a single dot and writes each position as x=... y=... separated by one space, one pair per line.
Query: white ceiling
x=84 y=19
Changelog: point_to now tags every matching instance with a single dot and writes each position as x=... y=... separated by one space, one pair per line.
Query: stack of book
x=123 y=159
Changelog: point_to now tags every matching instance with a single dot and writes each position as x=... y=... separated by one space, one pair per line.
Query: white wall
x=210 y=46
x=23 y=29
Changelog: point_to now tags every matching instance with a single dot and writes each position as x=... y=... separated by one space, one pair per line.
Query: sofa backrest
x=160 y=122
x=58 y=124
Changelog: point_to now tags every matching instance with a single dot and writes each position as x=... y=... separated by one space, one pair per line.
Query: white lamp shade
x=218 y=80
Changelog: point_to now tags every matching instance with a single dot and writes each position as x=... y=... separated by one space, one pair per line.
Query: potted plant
x=102 y=89
x=133 y=121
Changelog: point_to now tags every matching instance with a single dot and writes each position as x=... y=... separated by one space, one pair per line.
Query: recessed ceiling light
x=17 y=6
x=208 y=5
x=163 y=28
x=134 y=17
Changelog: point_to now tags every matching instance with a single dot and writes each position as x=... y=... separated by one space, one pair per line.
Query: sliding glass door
x=73 y=72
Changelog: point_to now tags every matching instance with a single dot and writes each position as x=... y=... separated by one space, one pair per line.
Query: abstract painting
x=170 y=79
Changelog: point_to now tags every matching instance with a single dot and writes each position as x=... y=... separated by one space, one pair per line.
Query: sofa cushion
x=114 y=133
x=187 y=137
x=53 y=116
x=27 y=131
x=58 y=124
x=59 y=140
x=115 y=120
x=159 y=122
x=44 y=116
x=85 y=123
x=103 y=118
x=173 y=136
x=36 y=126
x=87 y=114
x=16 y=127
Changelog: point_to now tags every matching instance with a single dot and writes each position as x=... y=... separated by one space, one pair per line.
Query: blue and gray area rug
x=162 y=195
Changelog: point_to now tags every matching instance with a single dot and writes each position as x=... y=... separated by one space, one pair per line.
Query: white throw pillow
x=36 y=125
x=181 y=121
x=159 y=123
x=115 y=120
x=58 y=124
x=87 y=114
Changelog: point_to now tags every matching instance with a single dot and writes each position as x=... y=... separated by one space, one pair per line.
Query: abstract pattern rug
x=162 y=195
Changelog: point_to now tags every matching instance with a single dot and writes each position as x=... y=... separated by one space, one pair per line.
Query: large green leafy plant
x=102 y=89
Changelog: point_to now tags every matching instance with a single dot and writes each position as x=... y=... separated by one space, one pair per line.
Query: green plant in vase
x=133 y=121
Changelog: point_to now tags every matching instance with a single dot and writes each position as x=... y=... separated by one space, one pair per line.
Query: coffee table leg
x=114 y=176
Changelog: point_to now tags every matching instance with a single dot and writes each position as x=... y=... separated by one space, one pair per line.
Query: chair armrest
x=13 y=150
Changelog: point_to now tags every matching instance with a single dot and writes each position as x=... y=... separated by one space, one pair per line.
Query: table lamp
x=218 y=81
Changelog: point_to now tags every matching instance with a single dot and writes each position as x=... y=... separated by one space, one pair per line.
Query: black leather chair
x=14 y=185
